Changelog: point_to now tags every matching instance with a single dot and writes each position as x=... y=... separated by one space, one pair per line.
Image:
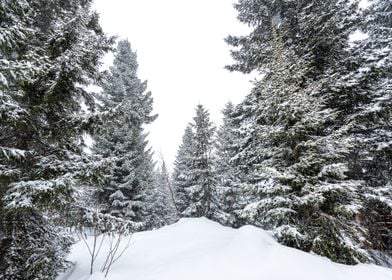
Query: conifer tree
x=50 y=51
x=243 y=154
x=370 y=79
x=301 y=174
x=182 y=169
x=168 y=186
x=163 y=208
x=194 y=176
x=202 y=196
x=227 y=184
x=127 y=189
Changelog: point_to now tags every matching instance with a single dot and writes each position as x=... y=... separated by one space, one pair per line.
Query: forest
x=306 y=155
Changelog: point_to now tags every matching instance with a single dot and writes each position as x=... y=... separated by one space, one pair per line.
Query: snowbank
x=195 y=249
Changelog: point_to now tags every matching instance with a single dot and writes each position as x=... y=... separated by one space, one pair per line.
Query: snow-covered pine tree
x=181 y=177
x=15 y=32
x=276 y=114
x=369 y=78
x=127 y=190
x=227 y=181
x=50 y=51
x=243 y=153
x=168 y=187
x=194 y=177
x=202 y=197
x=305 y=185
x=163 y=208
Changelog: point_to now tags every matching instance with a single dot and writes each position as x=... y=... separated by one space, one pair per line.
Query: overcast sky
x=182 y=54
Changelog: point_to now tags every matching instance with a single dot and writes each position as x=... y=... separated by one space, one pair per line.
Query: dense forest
x=306 y=155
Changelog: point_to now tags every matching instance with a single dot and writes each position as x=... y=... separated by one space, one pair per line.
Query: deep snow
x=195 y=249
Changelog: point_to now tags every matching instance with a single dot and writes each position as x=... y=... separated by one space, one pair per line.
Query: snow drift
x=195 y=249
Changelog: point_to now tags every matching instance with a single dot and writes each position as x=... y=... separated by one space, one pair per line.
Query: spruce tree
x=227 y=184
x=242 y=154
x=50 y=51
x=163 y=208
x=202 y=201
x=302 y=172
x=194 y=175
x=165 y=178
x=126 y=191
x=370 y=79
x=182 y=169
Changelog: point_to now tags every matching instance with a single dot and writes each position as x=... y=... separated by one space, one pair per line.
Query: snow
x=364 y=4
x=358 y=35
x=11 y=152
x=277 y=20
x=197 y=248
x=88 y=142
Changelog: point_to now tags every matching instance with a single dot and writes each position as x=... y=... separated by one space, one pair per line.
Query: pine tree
x=369 y=78
x=194 y=175
x=182 y=168
x=163 y=208
x=128 y=188
x=300 y=169
x=50 y=52
x=164 y=176
x=227 y=186
x=202 y=174
x=243 y=154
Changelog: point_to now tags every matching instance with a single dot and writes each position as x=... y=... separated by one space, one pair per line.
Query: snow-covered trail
x=195 y=249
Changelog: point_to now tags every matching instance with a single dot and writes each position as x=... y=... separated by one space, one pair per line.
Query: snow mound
x=195 y=249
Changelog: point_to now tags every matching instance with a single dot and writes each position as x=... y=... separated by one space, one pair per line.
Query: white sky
x=181 y=53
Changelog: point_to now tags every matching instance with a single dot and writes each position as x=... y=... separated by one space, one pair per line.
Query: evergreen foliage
x=227 y=187
x=31 y=248
x=164 y=211
x=202 y=174
x=50 y=52
x=194 y=177
x=128 y=191
x=306 y=155
x=182 y=169
x=309 y=130
x=370 y=79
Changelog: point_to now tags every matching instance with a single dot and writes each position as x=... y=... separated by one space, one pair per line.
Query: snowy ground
x=195 y=249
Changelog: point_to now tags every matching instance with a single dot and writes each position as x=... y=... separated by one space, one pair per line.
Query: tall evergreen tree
x=202 y=200
x=163 y=207
x=50 y=50
x=370 y=79
x=182 y=169
x=168 y=186
x=299 y=155
x=243 y=154
x=194 y=177
x=127 y=189
x=227 y=184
